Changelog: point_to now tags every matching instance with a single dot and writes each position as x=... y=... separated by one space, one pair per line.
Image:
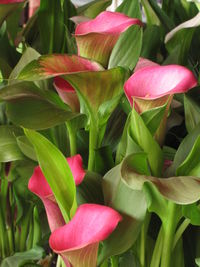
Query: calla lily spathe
x=78 y=241
x=96 y=38
x=39 y=186
x=151 y=81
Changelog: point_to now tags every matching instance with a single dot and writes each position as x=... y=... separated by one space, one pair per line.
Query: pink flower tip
x=91 y=224
x=154 y=81
x=39 y=186
x=107 y=22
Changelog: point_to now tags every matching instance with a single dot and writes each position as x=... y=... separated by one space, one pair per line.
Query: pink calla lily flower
x=152 y=81
x=4 y=2
x=152 y=85
x=39 y=186
x=33 y=6
x=96 y=38
x=77 y=242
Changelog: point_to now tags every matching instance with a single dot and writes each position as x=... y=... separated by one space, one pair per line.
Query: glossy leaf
x=127 y=49
x=29 y=55
x=94 y=8
x=9 y=150
x=192 y=212
x=191 y=165
x=30 y=107
x=132 y=204
x=192 y=112
x=130 y=8
x=7 y=7
x=152 y=118
x=56 y=171
x=180 y=190
x=21 y=258
x=99 y=105
x=26 y=147
x=184 y=150
x=142 y=136
x=53 y=17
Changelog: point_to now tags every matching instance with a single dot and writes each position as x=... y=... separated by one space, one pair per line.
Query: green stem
x=58 y=263
x=155 y=260
x=180 y=231
x=93 y=139
x=104 y=264
x=143 y=237
x=169 y=227
x=114 y=261
x=72 y=138
x=25 y=223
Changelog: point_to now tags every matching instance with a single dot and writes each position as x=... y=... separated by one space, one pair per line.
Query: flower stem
x=143 y=236
x=169 y=227
x=114 y=261
x=155 y=260
x=180 y=231
x=93 y=138
x=72 y=138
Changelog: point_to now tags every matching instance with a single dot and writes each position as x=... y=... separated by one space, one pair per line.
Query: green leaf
x=26 y=147
x=9 y=150
x=184 y=150
x=164 y=19
x=131 y=204
x=53 y=17
x=142 y=136
x=197 y=261
x=30 y=107
x=151 y=16
x=151 y=41
x=180 y=190
x=129 y=260
x=29 y=55
x=192 y=113
x=127 y=50
x=7 y=9
x=21 y=258
x=191 y=165
x=90 y=190
x=92 y=9
x=192 y=212
x=152 y=117
x=130 y=8
x=97 y=105
x=57 y=172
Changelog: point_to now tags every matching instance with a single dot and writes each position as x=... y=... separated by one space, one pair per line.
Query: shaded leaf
x=180 y=190
x=30 y=107
x=142 y=136
x=21 y=258
x=9 y=150
x=127 y=50
x=130 y=8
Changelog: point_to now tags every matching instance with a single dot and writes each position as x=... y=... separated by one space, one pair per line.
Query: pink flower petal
x=156 y=81
x=97 y=37
x=39 y=186
x=78 y=240
x=11 y=1
x=143 y=63
x=107 y=22
x=67 y=93
x=33 y=6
